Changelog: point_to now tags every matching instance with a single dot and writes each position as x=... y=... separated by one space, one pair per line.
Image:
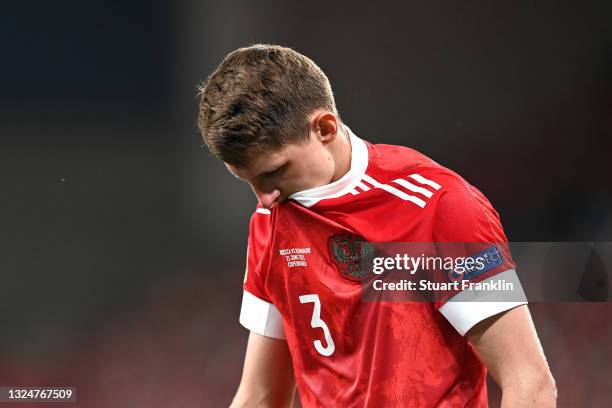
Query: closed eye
x=275 y=172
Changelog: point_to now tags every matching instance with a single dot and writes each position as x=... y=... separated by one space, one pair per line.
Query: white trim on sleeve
x=261 y=317
x=465 y=309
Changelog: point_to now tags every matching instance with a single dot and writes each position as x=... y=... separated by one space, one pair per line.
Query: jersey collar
x=342 y=186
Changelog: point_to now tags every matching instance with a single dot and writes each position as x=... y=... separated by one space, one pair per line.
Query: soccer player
x=269 y=114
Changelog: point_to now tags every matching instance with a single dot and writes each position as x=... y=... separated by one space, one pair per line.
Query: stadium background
x=122 y=241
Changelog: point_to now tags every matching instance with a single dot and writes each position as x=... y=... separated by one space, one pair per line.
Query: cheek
x=311 y=169
x=320 y=168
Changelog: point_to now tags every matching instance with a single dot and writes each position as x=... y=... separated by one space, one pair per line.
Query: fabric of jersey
x=385 y=354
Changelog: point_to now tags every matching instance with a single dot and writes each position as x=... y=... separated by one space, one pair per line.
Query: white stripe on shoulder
x=425 y=181
x=409 y=186
x=363 y=186
x=392 y=190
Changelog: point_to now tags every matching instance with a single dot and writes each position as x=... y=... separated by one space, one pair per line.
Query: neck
x=342 y=151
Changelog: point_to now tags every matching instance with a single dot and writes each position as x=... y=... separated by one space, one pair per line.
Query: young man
x=268 y=113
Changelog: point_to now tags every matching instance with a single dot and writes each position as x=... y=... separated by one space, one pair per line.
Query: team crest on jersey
x=350 y=254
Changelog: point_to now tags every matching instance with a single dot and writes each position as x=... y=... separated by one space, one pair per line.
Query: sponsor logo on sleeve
x=482 y=262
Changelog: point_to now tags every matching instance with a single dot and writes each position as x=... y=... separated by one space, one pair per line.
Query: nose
x=268 y=199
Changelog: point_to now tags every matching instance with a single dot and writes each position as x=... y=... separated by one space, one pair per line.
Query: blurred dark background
x=122 y=241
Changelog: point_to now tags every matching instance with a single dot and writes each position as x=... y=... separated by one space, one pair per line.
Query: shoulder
x=393 y=163
x=455 y=201
x=396 y=158
x=461 y=212
x=400 y=159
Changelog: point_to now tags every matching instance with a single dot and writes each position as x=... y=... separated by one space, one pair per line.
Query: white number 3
x=317 y=322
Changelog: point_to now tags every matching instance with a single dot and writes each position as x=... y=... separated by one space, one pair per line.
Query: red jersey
x=350 y=353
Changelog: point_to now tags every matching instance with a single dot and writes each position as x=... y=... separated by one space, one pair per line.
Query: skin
x=267 y=377
x=509 y=347
x=507 y=343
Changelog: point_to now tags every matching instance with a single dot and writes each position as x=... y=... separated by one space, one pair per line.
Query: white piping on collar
x=342 y=186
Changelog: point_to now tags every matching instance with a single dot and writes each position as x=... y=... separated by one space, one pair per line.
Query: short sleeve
x=466 y=224
x=258 y=313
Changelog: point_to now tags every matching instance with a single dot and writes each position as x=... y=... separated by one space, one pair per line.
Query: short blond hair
x=260 y=96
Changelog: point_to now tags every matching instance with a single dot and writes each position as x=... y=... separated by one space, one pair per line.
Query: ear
x=325 y=126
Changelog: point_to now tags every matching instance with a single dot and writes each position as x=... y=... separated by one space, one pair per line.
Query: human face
x=276 y=174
